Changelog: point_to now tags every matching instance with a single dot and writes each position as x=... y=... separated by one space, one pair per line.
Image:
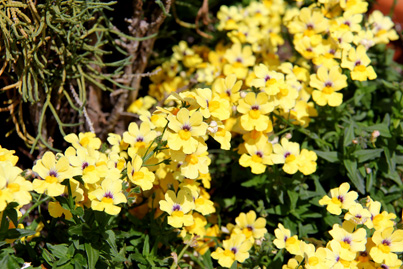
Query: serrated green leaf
x=255 y=181
x=349 y=134
x=58 y=251
x=330 y=156
x=364 y=155
x=293 y=199
x=19 y=233
x=206 y=260
x=146 y=246
x=92 y=255
x=354 y=175
x=49 y=258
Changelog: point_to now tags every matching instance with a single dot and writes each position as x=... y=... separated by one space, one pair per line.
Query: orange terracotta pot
x=385 y=6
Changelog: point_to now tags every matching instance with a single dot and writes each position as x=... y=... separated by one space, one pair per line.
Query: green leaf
x=12 y=214
x=146 y=246
x=49 y=258
x=234 y=265
x=330 y=156
x=255 y=181
x=364 y=155
x=59 y=251
x=349 y=134
x=354 y=175
x=92 y=255
x=18 y=233
x=293 y=199
x=207 y=262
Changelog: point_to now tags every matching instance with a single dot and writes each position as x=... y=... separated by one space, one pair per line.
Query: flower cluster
x=367 y=238
x=13 y=186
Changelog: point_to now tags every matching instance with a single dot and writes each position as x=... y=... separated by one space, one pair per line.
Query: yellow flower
x=89 y=161
x=341 y=199
x=139 y=175
x=258 y=156
x=185 y=54
x=141 y=105
x=14 y=187
x=288 y=154
x=117 y=143
x=328 y=82
x=255 y=109
x=217 y=131
x=202 y=201
x=250 y=226
x=349 y=238
x=235 y=249
x=378 y=220
x=387 y=242
x=138 y=138
x=5 y=196
x=285 y=240
x=198 y=227
x=358 y=214
x=239 y=59
x=107 y=196
x=53 y=172
x=268 y=81
x=307 y=162
x=212 y=106
x=309 y=22
x=228 y=88
x=228 y=17
x=339 y=257
x=186 y=130
x=309 y=47
x=357 y=61
x=178 y=207
x=84 y=140
x=56 y=211
x=8 y=156
x=382 y=27
x=191 y=165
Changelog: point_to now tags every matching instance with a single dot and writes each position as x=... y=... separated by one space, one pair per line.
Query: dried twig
x=87 y=118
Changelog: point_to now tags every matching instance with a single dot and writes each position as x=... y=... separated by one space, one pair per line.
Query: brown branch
x=140 y=52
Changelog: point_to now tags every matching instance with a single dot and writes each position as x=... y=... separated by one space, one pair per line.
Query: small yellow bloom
x=250 y=226
x=341 y=199
x=255 y=109
x=358 y=62
x=139 y=175
x=178 y=207
x=186 y=130
x=235 y=249
x=107 y=196
x=53 y=172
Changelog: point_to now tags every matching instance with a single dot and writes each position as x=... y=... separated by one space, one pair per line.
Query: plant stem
x=38 y=203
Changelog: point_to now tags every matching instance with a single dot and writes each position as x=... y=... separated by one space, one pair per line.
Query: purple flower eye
x=234 y=250
x=108 y=195
x=186 y=127
x=84 y=165
x=52 y=173
x=176 y=207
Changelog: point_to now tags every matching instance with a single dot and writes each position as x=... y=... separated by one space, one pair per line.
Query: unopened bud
x=374 y=136
x=243 y=94
x=368 y=170
x=213 y=127
x=288 y=136
x=355 y=141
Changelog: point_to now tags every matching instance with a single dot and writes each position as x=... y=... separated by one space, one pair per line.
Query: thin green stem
x=38 y=203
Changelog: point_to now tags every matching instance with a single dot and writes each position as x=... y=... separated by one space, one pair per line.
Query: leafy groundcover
x=274 y=142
